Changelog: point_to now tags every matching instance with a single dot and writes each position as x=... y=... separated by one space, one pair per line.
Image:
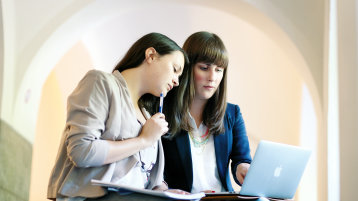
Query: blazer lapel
x=183 y=146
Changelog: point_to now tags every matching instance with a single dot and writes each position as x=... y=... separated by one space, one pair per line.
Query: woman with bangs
x=205 y=132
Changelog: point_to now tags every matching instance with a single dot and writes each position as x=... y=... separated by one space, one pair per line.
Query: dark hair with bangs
x=136 y=55
x=200 y=47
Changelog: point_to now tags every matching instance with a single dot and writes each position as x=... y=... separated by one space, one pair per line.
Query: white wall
x=347 y=20
x=1 y=55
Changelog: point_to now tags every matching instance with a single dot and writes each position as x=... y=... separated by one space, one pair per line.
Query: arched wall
x=98 y=12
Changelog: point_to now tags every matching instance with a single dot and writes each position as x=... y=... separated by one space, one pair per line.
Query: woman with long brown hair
x=109 y=133
x=206 y=132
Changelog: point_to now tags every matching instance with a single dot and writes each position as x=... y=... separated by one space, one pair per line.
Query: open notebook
x=165 y=194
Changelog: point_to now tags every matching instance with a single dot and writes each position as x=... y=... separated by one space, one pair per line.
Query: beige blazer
x=99 y=109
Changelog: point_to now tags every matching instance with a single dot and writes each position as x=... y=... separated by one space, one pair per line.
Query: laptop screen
x=275 y=171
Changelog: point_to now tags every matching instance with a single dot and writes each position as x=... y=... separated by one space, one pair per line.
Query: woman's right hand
x=153 y=129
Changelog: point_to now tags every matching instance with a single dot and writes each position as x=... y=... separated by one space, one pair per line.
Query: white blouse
x=139 y=175
x=205 y=172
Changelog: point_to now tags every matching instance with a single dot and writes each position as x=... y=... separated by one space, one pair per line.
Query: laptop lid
x=275 y=171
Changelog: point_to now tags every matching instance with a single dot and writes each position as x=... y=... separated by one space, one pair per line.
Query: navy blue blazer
x=231 y=145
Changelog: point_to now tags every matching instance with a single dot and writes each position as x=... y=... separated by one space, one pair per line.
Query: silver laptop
x=275 y=171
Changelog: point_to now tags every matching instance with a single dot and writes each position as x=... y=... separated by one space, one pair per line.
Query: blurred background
x=292 y=70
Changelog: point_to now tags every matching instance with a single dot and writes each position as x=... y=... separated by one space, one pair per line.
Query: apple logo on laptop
x=277 y=171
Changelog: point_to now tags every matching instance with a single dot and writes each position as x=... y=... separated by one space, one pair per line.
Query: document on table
x=193 y=196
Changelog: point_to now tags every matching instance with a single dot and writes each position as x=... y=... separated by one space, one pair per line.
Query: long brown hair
x=136 y=55
x=200 y=47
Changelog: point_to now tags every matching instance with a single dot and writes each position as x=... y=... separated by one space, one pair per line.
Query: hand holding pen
x=155 y=127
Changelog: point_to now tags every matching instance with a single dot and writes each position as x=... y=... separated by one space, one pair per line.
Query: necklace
x=202 y=140
x=148 y=162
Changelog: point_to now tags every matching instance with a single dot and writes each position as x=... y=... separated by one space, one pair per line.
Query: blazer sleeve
x=240 y=148
x=87 y=112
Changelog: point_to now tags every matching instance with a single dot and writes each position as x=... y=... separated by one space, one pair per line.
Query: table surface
x=114 y=196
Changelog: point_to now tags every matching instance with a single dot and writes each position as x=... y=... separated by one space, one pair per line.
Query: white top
x=205 y=172
x=139 y=175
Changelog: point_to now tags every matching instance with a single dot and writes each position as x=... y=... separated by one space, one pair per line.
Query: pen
x=161 y=103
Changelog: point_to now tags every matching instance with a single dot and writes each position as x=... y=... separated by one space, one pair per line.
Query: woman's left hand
x=241 y=171
x=161 y=187
x=177 y=191
x=164 y=187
